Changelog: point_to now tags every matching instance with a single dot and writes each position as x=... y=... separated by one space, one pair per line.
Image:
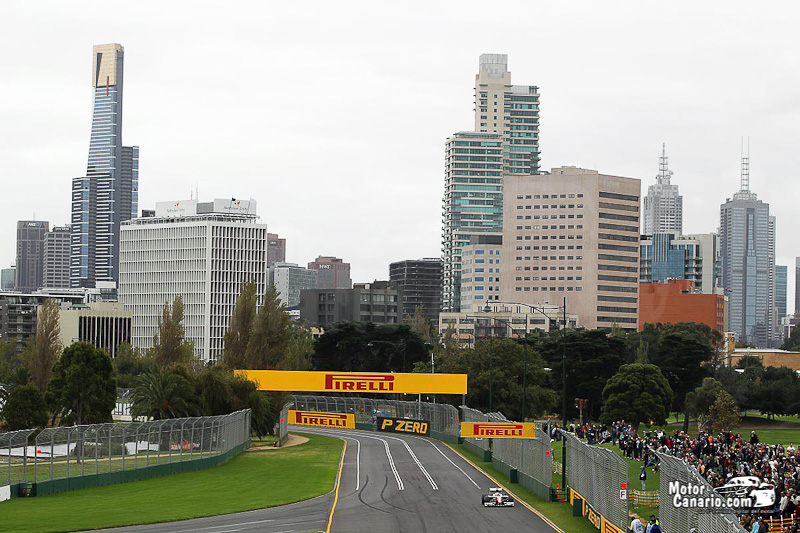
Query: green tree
x=240 y=332
x=82 y=388
x=681 y=354
x=421 y=325
x=47 y=343
x=724 y=413
x=220 y=393
x=367 y=347
x=129 y=364
x=638 y=394
x=700 y=400
x=24 y=408
x=776 y=391
x=593 y=356
x=269 y=342
x=160 y=394
x=792 y=342
x=11 y=362
x=300 y=349
x=169 y=344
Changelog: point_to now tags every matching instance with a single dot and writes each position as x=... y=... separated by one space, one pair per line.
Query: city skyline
x=615 y=123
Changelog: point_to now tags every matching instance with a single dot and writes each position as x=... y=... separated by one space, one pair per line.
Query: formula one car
x=497 y=498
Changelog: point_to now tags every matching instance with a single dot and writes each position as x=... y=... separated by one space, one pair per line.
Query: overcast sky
x=333 y=115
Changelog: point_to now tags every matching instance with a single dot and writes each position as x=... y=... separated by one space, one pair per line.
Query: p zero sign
x=403 y=425
x=325 y=420
x=360 y=382
x=498 y=430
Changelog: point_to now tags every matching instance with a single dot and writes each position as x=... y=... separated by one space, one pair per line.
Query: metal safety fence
x=598 y=475
x=67 y=453
x=443 y=418
x=476 y=445
x=676 y=472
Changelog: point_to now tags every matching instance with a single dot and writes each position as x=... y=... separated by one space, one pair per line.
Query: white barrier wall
x=5 y=493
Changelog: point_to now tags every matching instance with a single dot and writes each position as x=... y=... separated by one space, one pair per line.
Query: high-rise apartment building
x=511 y=111
x=332 y=273
x=663 y=205
x=57 y=245
x=574 y=234
x=109 y=192
x=276 y=249
x=747 y=245
x=30 y=254
x=420 y=283
x=666 y=256
x=8 y=278
x=781 y=281
x=480 y=272
x=505 y=142
x=473 y=202
x=289 y=279
x=201 y=251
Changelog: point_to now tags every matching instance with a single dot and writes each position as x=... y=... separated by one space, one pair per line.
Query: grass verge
x=252 y=480
x=558 y=512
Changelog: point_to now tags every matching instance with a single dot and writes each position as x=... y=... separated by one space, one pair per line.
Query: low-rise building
x=18 y=312
x=678 y=301
x=768 y=356
x=377 y=302
x=105 y=325
x=289 y=279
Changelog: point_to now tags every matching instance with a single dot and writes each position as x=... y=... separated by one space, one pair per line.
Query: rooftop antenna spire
x=746 y=166
x=664 y=173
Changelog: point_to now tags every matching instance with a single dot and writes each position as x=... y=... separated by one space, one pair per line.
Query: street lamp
x=563 y=331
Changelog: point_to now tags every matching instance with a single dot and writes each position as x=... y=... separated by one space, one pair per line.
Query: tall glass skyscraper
x=109 y=192
x=747 y=245
x=663 y=205
x=781 y=280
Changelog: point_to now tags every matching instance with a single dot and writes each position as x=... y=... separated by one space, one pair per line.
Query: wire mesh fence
x=598 y=474
x=684 y=518
x=76 y=451
x=443 y=418
x=475 y=443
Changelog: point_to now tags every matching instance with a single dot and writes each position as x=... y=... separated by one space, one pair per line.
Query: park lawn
x=653 y=481
x=252 y=480
x=559 y=512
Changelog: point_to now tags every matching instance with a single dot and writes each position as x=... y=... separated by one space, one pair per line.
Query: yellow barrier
x=501 y=430
x=289 y=381
x=325 y=420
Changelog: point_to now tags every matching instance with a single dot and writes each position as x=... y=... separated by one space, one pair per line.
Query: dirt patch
x=292 y=440
x=753 y=422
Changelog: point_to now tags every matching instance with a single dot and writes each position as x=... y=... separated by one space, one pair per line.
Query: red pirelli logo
x=328 y=420
x=498 y=430
x=360 y=382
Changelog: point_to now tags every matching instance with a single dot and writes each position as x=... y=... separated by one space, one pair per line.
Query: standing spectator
x=636 y=525
x=753 y=438
x=643 y=478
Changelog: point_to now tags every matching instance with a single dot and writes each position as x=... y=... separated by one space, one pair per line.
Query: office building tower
x=511 y=111
x=332 y=273
x=781 y=281
x=663 y=205
x=30 y=254
x=201 y=251
x=109 y=192
x=8 y=278
x=480 y=272
x=666 y=256
x=57 y=245
x=289 y=279
x=18 y=312
x=376 y=302
x=797 y=286
x=420 y=281
x=573 y=234
x=473 y=202
x=747 y=245
x=276 y=249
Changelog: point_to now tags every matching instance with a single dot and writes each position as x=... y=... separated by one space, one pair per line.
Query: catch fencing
x=66 y=458
x=528 y=462
x=476 y=445
x=674 y=469
x=598 y=475
x=443 y=418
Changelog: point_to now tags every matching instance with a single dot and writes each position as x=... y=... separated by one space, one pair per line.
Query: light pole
x=563 y=331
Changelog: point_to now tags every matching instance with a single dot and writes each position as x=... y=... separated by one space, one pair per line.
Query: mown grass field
x=252 y=480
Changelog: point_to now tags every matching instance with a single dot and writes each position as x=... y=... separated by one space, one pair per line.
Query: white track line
x=450 y=460
x=413 y=456
x=358 y=453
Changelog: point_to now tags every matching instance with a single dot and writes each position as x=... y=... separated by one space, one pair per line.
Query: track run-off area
x=404 y=483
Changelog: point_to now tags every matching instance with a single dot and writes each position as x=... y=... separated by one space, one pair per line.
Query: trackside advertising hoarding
x=499 y=430
x=361 y=382
x=599 y=521
x=324 y=420
x=403 y=425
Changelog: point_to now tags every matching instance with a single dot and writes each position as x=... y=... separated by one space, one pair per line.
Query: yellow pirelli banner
x=362 y=382
x=499 y=430
x=324 y=420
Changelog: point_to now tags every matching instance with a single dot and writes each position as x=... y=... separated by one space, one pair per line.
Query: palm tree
x=159 y=395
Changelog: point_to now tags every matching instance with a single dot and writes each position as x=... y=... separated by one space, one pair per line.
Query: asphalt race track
x=389 y=483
